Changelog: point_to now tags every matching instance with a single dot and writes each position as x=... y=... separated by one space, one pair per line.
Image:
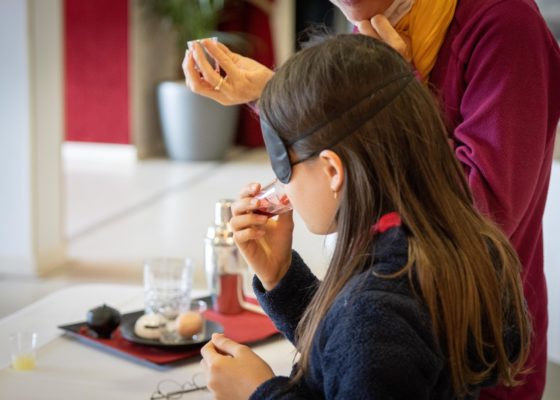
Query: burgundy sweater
x=498 y=78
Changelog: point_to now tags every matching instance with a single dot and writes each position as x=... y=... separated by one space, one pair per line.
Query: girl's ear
x=333 y=169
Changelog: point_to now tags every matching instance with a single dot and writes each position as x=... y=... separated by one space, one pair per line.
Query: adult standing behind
x=496 y=68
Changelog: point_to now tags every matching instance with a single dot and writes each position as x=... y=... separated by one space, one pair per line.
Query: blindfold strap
x=278 y=149
x=352 y=127
x=370 y=93
x=277 y=152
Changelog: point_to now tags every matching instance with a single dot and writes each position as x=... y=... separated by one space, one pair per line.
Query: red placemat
x=246 y=327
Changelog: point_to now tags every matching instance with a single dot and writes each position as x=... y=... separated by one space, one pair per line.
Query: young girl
x=422 y=298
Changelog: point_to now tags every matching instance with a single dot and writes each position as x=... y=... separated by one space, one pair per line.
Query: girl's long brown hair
x=400 y=160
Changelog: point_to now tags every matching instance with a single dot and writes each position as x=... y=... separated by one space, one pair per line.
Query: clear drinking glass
x=23 y=345
x=210 y=59
x=167 y=286
x=273 y=199
x=187 y=327
x=199 y=307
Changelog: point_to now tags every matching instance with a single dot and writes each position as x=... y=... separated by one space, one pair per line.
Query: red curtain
x=97 y=75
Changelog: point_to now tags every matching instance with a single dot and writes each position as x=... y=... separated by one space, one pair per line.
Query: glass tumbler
x=23 y=345
x=209 y=58
x=273 y=199
x=167 y=286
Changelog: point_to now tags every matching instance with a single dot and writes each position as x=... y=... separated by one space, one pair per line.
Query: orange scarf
x=425 y=25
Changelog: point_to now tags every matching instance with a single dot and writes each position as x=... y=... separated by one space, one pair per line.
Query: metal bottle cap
x=222 y=212
x=220 y=234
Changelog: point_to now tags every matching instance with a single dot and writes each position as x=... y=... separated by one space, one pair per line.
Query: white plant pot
x=194 y=128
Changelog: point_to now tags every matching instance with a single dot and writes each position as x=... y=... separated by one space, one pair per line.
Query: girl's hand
x=265 y=243
x=380 y=28
x=233 y=370
x=244 y=81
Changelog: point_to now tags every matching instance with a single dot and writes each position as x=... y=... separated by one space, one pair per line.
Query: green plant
x=197 y=19
x=190 y=19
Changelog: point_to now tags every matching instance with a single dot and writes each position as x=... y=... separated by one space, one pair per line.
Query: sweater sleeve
x=280 y=388
x=505 y=111
x=286 y=302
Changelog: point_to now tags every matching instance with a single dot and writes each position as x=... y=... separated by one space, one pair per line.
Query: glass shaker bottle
x=223 y=263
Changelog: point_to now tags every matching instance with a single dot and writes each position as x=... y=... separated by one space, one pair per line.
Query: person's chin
x=357 y=10
x=315 y=230
x=350 y=3
x=321 y=230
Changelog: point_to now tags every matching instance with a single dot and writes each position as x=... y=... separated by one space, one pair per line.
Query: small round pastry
x=189 y=324
x=149 y=326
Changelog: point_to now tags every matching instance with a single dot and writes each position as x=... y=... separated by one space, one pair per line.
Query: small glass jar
x=273 y=200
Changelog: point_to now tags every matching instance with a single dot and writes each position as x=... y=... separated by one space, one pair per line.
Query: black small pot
x=103 y=321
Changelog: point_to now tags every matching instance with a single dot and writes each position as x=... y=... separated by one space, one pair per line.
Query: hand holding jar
x=265 y=242
x=241 y=80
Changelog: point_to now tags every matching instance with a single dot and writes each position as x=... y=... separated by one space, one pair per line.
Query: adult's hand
x=380 y=28
x=244 y=80
x=265 y=243
x=233 y=370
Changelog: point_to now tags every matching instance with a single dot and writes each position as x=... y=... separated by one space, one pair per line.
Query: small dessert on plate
x=149 y=326
x=189 y=324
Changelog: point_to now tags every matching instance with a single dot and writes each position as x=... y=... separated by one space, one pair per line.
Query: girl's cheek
x=288 y=191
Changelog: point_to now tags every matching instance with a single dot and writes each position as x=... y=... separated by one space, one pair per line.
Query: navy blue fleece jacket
x=376 y=341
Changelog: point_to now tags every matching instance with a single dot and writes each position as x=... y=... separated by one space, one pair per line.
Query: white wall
x=551 y=231
x=282 y=25
x=153 y=58
x=31 y=129
x=15 y=163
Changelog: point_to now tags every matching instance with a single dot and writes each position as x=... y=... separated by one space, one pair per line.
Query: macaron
x=149 y=326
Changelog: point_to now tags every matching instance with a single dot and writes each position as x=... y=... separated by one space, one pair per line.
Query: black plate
x=127 y=332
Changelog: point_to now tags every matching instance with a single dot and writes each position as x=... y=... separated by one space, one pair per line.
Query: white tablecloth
x=70 y=369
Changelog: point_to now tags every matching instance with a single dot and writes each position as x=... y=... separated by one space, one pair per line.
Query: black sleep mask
x=278 y=149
